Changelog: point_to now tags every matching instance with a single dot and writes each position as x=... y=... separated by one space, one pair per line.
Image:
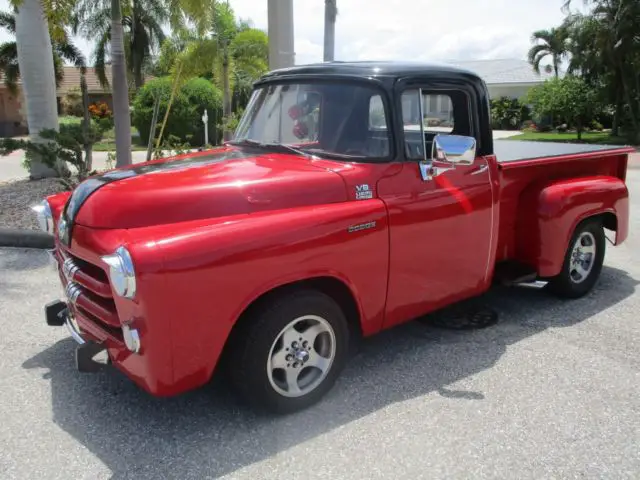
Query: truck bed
x=508 y=151
x=522 y=164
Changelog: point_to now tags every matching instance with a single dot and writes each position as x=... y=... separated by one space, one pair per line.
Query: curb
x=13 y=237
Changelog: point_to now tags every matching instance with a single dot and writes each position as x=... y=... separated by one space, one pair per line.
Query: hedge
x=185 y=117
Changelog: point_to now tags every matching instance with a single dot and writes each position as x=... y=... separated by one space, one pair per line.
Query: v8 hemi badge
x=363 y=192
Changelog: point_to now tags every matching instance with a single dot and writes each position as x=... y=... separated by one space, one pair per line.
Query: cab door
x=440 y=224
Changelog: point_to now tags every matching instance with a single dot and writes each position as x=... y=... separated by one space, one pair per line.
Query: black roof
x=372 y=69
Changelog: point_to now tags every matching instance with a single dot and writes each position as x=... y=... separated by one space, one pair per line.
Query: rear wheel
x=583 y=261
x=289 y=354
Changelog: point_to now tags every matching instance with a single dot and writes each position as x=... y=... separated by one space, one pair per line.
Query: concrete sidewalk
x=11 y=165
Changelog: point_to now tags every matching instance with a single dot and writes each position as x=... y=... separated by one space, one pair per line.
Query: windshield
x=333 y=119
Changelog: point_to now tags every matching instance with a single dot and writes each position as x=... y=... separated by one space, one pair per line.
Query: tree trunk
x=86 y=124
x=120 y=88
x=226 y=102
x=579 y=129
x=617 y=115
x=329 y=29
x=35 y=59
x=138 y=78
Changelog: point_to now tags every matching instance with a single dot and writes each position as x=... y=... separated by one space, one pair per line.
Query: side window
x=378 y=142
x=443 y=112
x=438 y=113
x=377 y=119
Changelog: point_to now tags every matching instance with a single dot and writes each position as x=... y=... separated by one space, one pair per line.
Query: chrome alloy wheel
x=301 y=356
x=583 y=257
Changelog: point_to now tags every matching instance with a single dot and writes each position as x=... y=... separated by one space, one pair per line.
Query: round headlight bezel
x=44 y=216
x=121 y=272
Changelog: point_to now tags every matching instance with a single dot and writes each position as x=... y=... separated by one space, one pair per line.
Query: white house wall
x=511 y=91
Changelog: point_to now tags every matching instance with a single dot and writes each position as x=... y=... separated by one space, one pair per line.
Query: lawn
x=108 y=142
x=600 y=138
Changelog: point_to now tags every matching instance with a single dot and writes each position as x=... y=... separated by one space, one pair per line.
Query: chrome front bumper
x=74 y=330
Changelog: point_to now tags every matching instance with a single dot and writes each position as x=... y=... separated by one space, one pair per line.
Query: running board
x=514 y=273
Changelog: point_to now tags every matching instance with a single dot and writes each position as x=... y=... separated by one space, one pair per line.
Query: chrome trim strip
x=494 y=207
x=72 y=291
x=69 y=268
x=73 y=332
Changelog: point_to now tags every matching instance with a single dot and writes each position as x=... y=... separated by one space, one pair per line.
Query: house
x=13 y=120
x=507 y=77
x=511 y=78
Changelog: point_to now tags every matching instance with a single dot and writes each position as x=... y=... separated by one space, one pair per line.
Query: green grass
x=598 y=138
x=107 y=146
x=108 y=141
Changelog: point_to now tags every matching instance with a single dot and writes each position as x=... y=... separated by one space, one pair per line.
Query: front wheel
x=289 y=354
x=583 y=261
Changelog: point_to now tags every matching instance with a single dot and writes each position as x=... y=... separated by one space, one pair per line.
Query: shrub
x=596 y=125
x=61 y=148
x=100 y=110
x=72 y=103
x=569 y=98
x=185 y=118
x=508 y=113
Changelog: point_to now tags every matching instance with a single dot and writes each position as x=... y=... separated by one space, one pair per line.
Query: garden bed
x=17 y=198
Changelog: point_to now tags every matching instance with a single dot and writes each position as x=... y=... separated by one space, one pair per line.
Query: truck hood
x=220 y=182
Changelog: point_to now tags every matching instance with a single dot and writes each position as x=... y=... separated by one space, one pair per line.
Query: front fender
x=212 y=271
x=550 y=211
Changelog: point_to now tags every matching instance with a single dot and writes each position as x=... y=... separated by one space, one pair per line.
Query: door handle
x=428 y=171
x=480 y=170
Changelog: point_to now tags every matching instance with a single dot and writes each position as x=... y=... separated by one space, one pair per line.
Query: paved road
x=551 y=391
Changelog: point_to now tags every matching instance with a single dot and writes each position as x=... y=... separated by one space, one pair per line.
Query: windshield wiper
x=271 y=146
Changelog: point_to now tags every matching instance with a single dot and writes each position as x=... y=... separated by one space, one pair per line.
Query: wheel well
x=609 y=221
x=330 y=286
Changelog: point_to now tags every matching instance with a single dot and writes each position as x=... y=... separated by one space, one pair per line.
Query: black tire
x=249 y=354
x=564 y=284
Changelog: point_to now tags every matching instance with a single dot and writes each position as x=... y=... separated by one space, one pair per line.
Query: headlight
x=121 y=272
x=45 y=217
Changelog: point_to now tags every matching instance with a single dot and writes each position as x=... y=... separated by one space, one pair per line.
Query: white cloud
x=408 y=29
x=416 y=29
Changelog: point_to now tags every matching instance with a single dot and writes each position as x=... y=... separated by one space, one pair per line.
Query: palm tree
x=143 y=19
x=62 y=50
x=233 y=52
x=36 y=66
x=548 y=42
x=607 y=49
x=142 y=22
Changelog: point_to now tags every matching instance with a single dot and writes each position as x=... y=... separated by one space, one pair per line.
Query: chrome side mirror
x=449 y=149
x=454 y=149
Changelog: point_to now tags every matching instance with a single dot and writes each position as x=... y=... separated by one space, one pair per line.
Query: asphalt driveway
x=551 y=391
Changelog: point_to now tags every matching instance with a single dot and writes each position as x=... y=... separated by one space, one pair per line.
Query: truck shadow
x=207 y=434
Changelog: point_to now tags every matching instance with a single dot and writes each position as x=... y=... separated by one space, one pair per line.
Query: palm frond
x=11 y=75
x=72 y=54
x=8 y=54
x=58 y=69
x=100 y=55
x=536 y=54
x=8 y=22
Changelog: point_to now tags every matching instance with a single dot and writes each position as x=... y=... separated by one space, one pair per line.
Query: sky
x=422 y=30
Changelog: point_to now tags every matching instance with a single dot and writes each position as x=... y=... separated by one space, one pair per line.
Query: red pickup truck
x=354 y=197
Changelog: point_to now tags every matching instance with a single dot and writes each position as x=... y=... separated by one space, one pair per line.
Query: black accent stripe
x=83 y=191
